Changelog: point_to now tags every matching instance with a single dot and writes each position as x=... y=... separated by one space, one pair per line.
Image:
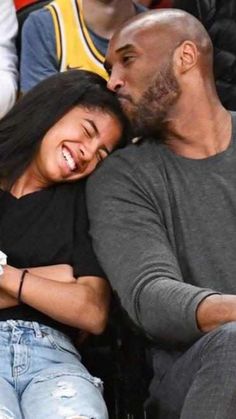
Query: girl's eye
x=87 y=132
x=101 y=155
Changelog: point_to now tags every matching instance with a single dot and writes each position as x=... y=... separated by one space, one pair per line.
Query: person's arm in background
x=8 y=56
x=38 y=50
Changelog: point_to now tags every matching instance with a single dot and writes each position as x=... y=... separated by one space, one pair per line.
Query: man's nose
x=115 y=83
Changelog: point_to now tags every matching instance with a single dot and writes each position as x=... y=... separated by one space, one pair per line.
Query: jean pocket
x=62 y=344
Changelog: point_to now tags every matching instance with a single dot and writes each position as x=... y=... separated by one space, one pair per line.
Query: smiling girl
x=52 y=285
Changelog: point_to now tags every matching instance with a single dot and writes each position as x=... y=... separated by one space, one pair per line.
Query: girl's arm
x=61 y=273
x=81 y=302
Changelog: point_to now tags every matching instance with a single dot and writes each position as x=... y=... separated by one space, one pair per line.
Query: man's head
x=151 y=60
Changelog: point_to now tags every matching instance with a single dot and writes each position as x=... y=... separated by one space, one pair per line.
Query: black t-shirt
x=43 y=228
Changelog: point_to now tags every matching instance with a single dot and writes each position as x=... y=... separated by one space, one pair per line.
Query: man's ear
x=186 y=56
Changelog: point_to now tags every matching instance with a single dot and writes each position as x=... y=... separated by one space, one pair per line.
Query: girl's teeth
x=69 y=159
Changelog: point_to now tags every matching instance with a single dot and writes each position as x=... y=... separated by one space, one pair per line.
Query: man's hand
x=216 y=310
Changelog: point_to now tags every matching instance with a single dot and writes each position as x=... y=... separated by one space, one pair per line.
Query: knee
x=222 y=340
x=6 y=413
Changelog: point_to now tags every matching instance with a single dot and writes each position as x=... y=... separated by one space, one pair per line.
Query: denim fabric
x=42 y=377
x=200 y=383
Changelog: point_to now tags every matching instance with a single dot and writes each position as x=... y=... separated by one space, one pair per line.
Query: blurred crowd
x=47 y=44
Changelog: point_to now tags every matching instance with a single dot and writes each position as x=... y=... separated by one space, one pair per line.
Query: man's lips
x=124 y=97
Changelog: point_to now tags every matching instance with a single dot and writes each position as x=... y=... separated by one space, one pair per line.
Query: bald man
x=163 y=213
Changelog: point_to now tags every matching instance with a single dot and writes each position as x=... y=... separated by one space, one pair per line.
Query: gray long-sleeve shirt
x=164 y=230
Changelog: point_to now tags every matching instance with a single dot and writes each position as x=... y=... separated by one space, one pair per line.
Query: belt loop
x=11 y=323
x=37 y=330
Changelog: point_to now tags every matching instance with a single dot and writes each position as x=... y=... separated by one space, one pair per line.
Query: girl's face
x=74 y=146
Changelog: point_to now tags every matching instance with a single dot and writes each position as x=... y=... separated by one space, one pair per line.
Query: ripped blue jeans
x=42 y=377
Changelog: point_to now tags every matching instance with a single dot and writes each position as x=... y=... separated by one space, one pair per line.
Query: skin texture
x=89 y=136
x=160 y=66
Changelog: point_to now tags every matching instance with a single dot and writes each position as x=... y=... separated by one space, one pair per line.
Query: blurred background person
x=154 y=4
x=19 y=4
x=70 y=34
x=219 y=19
x=8 y=56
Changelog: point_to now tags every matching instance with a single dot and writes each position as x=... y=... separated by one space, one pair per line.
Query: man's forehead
x=129 y=37
x=160 y=25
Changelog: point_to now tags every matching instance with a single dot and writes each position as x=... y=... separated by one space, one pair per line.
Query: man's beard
x=149 y=116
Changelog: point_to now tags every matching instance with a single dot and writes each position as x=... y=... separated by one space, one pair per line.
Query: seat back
x=118 y=357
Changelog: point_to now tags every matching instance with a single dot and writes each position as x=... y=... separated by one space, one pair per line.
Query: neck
x=27 y=183
x=104 y=17
x=198 y=128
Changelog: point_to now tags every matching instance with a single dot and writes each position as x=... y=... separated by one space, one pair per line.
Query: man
x=163 y=213
x=70 y=34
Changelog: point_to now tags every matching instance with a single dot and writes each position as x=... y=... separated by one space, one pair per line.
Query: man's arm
x=8 y=56
x=132 y=245
x=38 y=50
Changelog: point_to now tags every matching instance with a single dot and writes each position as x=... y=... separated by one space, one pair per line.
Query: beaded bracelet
x=24 y=272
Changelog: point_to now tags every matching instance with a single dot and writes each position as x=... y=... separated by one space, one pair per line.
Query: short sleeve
x=38 y=49
x=84 y=258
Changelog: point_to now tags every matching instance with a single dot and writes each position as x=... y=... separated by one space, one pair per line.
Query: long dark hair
x=23 y=128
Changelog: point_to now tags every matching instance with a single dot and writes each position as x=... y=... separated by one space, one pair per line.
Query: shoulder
x=38 y=49
x=133 y=167
x=146 y=150
x=39 y=21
